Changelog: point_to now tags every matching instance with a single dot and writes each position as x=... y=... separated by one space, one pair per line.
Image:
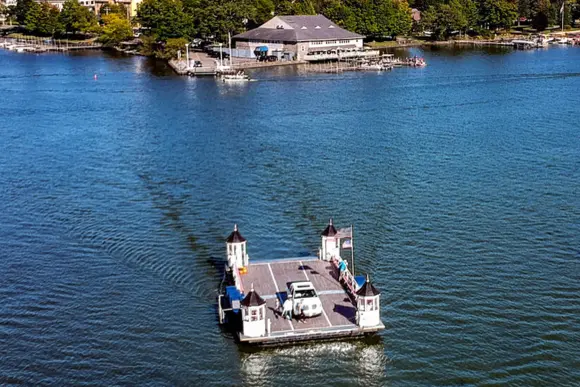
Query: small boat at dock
x=416 y=62
x=237 y=77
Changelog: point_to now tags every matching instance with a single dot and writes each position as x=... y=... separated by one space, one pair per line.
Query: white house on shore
x=301 y=38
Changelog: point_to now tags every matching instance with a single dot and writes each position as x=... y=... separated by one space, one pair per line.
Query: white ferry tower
x=286 y=301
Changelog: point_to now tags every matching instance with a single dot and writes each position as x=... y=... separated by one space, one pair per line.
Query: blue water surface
x=462 y=180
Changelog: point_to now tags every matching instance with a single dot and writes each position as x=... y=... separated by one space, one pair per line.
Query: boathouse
x=307 y=38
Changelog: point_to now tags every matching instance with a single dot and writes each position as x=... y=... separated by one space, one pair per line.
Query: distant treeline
x=162 y=20
x=376 y=19
x=42 y=19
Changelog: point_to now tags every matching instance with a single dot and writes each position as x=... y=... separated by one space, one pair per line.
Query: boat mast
x=230 y=47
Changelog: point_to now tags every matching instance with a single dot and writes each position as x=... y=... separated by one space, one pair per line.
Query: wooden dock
x=270 y=279
x=39 y=45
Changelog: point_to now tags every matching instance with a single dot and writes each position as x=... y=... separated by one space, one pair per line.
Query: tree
x=164 y=19
x=21 y=10
x=374 y=18
x=264 y=9
x=445 y=19
x=43 y=19
x=295 y=7
x=33 y=18
x=171 y=48
x=498 y=13
x=118 y=9
x=116 y=29
x=218 y=18
x=77 y=18
x=400 y=20
x=341 y=14
x=3 y=11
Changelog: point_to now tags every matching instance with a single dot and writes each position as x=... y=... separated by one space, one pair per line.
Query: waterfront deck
x=271 y=278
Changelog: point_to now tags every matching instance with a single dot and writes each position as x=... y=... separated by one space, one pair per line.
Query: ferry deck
x=270 y=279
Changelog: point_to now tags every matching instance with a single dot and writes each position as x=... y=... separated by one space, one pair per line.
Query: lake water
x=462 y=180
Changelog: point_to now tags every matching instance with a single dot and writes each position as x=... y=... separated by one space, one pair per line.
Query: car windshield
x=304 y=293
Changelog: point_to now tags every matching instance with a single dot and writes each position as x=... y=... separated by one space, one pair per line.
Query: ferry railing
x=237 y=278
x=345 y=276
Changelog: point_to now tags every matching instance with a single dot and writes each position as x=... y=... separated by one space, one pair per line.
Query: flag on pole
x=562 y=8
x=347 y=244
x=344 y=233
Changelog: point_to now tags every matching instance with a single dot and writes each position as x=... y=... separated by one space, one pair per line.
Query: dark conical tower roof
x=235 y=236
x=368 y=290
x=252 y=299
x=329 y=230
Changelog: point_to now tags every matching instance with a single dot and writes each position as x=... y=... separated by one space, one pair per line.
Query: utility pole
x=187 y=55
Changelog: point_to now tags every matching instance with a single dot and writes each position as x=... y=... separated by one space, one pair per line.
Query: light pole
x=187 y=55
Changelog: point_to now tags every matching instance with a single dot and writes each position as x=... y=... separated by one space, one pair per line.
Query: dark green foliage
x=171 y=47
x=540 y=21
x=376 y=19
x=444 y=19
x=21 y=10
x=76 y=18
x=118 y=9
x=43 y=19
x=497 y=13
x=164 y=19
x=116 y=28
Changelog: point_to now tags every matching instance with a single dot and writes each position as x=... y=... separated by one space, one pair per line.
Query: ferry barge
x=254 y=295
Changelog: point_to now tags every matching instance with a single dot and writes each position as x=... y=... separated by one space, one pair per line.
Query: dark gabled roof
x=268 y=34
x=368 y=290
x=235 y=236
x=253 y=299
x=304 y=28
x=329 y=230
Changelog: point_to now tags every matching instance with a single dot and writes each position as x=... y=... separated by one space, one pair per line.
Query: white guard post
x=368 y=305
x=236 y=251
x=253 y=314
x=330 y=243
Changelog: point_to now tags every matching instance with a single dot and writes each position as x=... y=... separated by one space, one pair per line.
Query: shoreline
x=39 y=45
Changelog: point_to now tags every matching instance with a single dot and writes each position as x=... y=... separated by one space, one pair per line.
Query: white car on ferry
x=305 y=300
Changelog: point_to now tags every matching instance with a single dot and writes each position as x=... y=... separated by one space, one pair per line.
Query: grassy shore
x=414 y=41
x=18 y=35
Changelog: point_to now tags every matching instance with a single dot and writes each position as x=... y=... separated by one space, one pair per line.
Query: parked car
x=304 y=299
x=196 y=43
